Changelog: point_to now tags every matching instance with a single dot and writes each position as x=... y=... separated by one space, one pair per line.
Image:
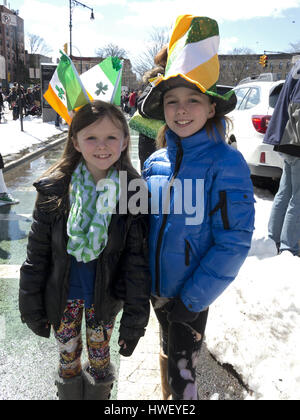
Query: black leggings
x=181 y=342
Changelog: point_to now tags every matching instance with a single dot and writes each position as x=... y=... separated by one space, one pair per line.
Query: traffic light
x=263 y=60
x=66 y=48
x=266 y=61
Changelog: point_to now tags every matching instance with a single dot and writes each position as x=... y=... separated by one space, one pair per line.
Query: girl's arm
x=136 y=276
x=34 y=273
x=232 y=223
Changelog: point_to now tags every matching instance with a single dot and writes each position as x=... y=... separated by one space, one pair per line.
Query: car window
x=274 y=94
x=252 y=99
x=240 y=94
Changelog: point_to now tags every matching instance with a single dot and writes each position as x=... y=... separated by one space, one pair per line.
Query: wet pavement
x=28 y=362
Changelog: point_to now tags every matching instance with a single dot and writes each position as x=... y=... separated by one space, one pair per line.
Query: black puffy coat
x=122 y=278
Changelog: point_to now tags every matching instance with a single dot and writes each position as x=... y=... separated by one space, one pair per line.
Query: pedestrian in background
x=5 y=197
x=81 y=254
x=147 y=144
x=132 y=102
x=29 y=99
x=13 y=100
x=1 y=104
x=193 y=260
x=284 y=133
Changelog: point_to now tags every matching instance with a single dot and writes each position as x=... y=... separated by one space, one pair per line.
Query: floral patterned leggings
x=69 y=341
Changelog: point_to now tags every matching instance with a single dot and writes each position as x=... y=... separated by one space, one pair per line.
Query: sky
x=269 y=25
x=254 y=324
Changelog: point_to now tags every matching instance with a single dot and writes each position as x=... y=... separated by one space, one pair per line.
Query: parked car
x=255 y=105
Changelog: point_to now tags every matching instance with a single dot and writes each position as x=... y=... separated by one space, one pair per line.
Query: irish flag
x=103 y=81
x=65 y=91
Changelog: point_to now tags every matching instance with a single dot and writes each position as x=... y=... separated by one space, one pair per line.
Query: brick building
x=12 y=44
x=234 y=68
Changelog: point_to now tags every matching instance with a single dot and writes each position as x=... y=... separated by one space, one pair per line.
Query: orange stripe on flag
x=57 y=104
x=207 y=72
x=181 y=26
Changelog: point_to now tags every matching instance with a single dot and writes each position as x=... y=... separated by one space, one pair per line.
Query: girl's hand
x=127 y=348
x=122 y=344
x=179 y=313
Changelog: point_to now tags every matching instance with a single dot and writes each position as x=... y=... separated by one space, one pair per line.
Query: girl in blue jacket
x=202 y=205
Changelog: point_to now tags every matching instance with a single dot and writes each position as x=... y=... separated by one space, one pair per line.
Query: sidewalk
x=139 y=375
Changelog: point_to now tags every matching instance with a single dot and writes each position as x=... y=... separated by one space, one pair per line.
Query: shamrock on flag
x=103 y=81
x=65 y=91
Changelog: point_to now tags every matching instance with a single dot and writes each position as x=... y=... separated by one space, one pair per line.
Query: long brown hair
x=85 y=116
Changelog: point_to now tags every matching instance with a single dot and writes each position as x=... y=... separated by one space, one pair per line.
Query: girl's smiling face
x=187 y=111
x=101 y=145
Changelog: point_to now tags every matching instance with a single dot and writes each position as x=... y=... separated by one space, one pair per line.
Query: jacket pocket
x=237 y=210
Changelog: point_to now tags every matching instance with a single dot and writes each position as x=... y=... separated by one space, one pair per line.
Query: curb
x=34 y=154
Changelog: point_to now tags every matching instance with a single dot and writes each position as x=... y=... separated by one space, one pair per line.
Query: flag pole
x=117 y=83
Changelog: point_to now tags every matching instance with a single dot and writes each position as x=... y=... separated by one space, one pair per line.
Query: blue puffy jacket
x=198 y=247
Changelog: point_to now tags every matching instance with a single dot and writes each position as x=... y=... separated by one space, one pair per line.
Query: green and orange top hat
x=192 y=62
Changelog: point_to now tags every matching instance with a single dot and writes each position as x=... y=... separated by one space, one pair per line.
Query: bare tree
x=158 y=37
x=37 y=45
x=239 y=66
x=111 y=50
x=295 y=47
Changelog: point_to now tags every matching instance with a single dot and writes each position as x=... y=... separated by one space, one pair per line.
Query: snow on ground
x=254 y=325
x=13 y=140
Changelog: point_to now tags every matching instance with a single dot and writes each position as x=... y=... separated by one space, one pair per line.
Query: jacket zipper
x=187 y=252
x=178 y=161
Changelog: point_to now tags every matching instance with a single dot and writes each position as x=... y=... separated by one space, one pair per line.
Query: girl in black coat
x=83 y=252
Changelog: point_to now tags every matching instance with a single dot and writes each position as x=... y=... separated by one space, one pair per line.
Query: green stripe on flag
x=205 y=28
x=70 y=80
x=111 y=67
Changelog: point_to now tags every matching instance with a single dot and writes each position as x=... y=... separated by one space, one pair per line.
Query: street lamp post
x=72 y=4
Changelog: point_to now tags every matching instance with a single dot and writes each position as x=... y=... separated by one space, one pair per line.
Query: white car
x=255 y=105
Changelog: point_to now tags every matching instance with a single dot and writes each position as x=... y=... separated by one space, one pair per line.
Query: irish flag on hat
x=193 y=51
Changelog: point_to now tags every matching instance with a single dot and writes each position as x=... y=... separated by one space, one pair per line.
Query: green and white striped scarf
x=90 y=213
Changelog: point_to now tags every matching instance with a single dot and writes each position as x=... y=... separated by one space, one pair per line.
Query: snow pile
x=254 y=325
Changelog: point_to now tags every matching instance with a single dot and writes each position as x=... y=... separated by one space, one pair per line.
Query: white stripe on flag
x=56 y=83
x=94 y=77
x=189 y=59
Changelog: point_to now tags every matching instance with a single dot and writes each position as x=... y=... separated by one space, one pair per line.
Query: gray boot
x=69 y=389
x=98 y=390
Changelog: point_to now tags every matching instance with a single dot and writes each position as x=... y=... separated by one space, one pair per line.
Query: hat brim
x=152 y=106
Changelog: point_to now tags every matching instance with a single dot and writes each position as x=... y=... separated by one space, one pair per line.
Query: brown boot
x=165 y=387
